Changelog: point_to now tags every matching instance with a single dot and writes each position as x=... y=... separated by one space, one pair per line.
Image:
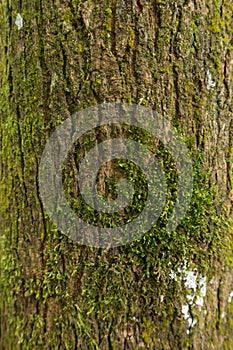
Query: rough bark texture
x=174 y=56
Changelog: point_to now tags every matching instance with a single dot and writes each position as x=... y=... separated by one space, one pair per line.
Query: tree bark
x=164 y=291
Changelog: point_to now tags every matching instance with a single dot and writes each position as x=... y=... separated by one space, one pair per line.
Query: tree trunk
x=166 y=290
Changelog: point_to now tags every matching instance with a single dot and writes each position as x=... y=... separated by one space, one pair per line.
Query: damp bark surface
x=57 y=58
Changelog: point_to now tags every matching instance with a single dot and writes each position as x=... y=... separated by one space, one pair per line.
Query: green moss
x=42 y=271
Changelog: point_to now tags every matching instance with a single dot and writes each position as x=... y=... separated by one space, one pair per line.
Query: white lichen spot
x=191 y=279
x=223 y=315
x=197 y=285
x=173 y=275
x=202 y=286
x=230 y=297
x=185 y=311
x=193 y=323
x=19 y=21
x=210 y=82
x=186 y=315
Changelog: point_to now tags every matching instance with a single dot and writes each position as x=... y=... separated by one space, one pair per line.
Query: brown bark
x=175 y=57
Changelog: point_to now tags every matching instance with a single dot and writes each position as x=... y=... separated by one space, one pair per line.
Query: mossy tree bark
x=175 y=57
